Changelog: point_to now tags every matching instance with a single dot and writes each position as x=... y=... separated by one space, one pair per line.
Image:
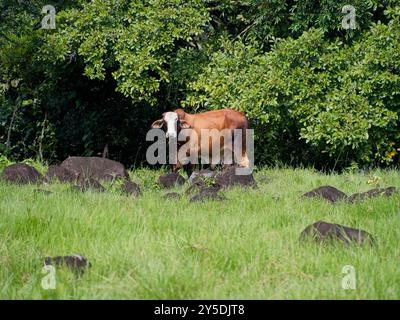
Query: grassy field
x=244 y=248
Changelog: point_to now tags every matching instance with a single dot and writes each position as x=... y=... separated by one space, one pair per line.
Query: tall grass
x=246 y=247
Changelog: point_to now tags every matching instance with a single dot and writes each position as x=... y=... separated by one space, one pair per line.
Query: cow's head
x=173 y=124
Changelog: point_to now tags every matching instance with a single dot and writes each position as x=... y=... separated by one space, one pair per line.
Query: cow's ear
x=184 y=124
x=157 y=124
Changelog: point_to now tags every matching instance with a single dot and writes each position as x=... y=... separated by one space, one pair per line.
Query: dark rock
x=75 y=262
x=61 y=174
x=131 y=188
x=372 y=193
x=95 y=167
x=326 y=192
x=228 y=178
x=42 y=191
x=170 y=180
x=21 y=173
x=88 y=183
x=322 y=231
x=172 y=196
x=205 y=194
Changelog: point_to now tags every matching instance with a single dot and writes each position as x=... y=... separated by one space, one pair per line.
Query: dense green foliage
x=315 y=93
x=343 y=100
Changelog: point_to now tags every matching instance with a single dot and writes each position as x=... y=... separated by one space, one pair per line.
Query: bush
x=313 y=98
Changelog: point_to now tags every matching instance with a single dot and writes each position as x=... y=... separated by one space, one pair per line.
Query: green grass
x=244 y=248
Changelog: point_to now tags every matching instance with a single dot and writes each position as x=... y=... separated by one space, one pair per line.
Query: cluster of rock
x=321 y=231
x=333 y=195
x=206 y=184
x=87 y=172
x=84 y=172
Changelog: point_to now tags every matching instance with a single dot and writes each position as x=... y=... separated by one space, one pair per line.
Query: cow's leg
x=244 y=161
x=241 y=159
x=176 y=167
x=193 y=153
x=189 y=169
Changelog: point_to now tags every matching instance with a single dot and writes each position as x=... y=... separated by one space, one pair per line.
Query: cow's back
x=219 y=119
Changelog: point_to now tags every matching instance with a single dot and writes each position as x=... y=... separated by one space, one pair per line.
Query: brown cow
x=218 y=122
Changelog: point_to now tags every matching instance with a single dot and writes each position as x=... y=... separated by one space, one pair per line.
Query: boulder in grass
x=170 y=180
x=61 y=174
x=131 y=188
x=76 y=262
x=228 y=178
x=96 y=168
x=20 y=173
x=328 y=193
x=378 y=192
x=322 y=231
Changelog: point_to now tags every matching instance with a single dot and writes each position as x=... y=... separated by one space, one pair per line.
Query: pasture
x=246 y=247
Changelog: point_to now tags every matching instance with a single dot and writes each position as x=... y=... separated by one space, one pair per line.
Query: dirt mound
x=172 y=196
x=378 y=192
x=169 y=180
x=321 y=231
x=76 y=263
x=61 y=174
x=131 y=188
x=228 y=178
x=20 y=173
x=326 y=192
x=95 y=167
x=205 y=194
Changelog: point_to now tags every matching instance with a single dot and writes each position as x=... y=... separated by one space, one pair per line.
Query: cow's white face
x=171 y=119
